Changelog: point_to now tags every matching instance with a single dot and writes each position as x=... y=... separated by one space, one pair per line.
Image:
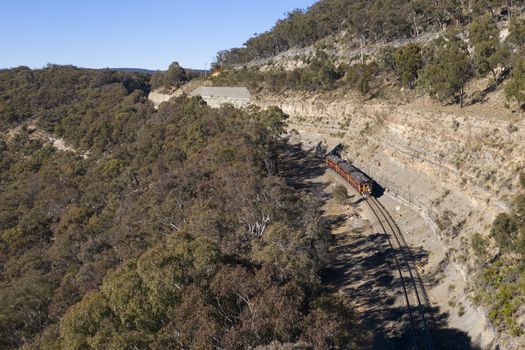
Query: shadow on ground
x=300 y=166
x=377 y=189
x=363 y=268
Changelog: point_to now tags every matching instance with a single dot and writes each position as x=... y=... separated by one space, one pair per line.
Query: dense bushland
x=441 y=68
x=365 y=21
x=75 y=104
x=174 y=232
x=502 y=281
x=320 y=74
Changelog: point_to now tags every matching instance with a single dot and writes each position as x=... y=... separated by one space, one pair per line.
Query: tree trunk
x=362 y=43
x=271 y=164
x=415 y=25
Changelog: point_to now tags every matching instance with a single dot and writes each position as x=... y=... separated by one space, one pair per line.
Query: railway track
x=413 y=291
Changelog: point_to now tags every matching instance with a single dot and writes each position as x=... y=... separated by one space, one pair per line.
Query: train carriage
x=358 y=180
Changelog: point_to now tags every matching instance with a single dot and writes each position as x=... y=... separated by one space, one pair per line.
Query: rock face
x=217 y=96
x=157 y=96
x=459 y=167
x=433 y=157
x=164 y=95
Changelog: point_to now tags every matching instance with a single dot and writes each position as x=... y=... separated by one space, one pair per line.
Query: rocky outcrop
x=164 y=95
x=159 y=96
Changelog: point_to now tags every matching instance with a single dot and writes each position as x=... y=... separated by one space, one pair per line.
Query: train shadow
x=377 y=190
x=364 y=269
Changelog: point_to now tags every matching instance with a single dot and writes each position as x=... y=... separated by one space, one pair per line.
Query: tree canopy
x=160 y=229
x=175 y=74
x=449 y=68
x=174 y=77
x=381 y=20
x=488 y=51
x=407 y=63
x=515 y=88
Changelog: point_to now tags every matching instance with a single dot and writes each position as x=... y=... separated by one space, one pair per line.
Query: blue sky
x=140 y=34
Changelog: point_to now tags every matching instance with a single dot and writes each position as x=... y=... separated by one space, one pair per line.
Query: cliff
x=458 y=167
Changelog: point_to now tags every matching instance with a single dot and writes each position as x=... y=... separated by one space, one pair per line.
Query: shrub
x=479 y=245
x=408 y=62
x=505 y=231
x=340 y=193
x=515 y=88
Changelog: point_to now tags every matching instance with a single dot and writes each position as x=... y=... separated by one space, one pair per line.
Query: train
x=355 y=177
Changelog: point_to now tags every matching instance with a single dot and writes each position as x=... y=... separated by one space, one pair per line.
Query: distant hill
x=135 y=70
x=150 y=71
x=199 y=71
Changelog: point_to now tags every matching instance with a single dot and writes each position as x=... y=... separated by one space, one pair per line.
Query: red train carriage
x=358 y=180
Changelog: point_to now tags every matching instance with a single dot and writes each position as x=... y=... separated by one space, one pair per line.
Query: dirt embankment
x=457 y=168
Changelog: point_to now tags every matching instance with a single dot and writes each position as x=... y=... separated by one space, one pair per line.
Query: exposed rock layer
x=458 y=166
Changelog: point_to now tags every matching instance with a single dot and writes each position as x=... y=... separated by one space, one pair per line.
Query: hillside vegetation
x=369 y=21
x=442 y=68
x=174 y=231
x=471 y=46
x=501 y=284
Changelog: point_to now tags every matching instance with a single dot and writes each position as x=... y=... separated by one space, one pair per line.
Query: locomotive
x=362 y=183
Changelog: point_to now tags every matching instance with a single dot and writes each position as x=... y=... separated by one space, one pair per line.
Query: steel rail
x=402 y=248
x=403 y=284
